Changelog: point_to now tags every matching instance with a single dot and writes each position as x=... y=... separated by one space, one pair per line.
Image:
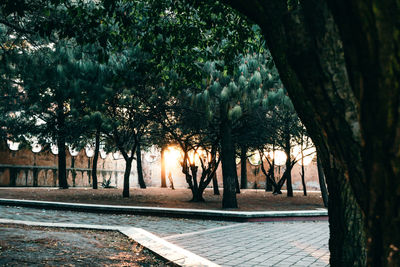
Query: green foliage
x=139 y=71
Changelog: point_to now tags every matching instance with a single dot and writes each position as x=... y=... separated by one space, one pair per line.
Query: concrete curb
x=159 y=246
x=241 y=216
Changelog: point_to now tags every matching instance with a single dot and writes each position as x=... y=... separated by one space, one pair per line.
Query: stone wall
x=25 y=168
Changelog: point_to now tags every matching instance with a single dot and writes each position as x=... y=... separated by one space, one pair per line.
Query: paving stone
x=225 y=243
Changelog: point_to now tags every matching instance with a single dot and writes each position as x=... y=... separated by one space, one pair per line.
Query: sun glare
x=308 y=155
x=173 y=156
x=279 y=156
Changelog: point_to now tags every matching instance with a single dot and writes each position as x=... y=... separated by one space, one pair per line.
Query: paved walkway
x=224 y=243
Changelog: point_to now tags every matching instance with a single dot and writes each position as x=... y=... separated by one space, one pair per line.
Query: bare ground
x=38 y=246
x=248 y=200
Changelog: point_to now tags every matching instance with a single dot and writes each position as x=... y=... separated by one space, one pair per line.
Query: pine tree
x=228 y=98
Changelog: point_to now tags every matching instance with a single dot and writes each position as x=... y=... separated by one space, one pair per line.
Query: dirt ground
x=37 y=246
x=248 y=200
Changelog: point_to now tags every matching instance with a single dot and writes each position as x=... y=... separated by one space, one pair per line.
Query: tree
x=186 y=37
x=288 y=130
x=47 y=97
x=337 y=61
x=229 y=98
x=126 y=116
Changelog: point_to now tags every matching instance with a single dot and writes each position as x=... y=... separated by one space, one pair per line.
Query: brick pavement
x=261 y=244
x=225 y=243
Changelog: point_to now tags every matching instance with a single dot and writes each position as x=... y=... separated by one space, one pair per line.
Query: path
x=224 y=243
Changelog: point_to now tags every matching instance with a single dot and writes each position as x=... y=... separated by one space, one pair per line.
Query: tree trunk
x=305 y=44
x=139 y=168
x=322 y=183
x=228 y=162
x=73 y=171
x=282 y=180
x=62 y=164
x=171 y=181
x=215 y=185
x=303 y=182
x=88 y=172
x=271 y=171
x=197 y=196
x=243 y=167
x=214 y=163
x=268 y=184
x=371 y=44
x=347 y=244
x=288 y=167
x=237 y=183
x=185 y=170
x=302 y=170
x=163 y=180
x=95 y=158
x=127 y=174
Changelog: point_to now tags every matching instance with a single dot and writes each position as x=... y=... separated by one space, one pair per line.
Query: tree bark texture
x=95 y=158
x=243 y=167
x=371 y=43
x=228 y=163
x=305 y=43
x=139 y=167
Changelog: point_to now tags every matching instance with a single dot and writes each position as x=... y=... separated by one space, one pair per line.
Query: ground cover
x=40 y=246
x=248 y=200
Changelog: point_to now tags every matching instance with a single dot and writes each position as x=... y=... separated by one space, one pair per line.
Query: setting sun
x=173 y=156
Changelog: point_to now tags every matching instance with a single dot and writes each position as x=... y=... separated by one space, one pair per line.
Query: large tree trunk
x=95 y=158
x=322 y=183
x=228 y=163
x=347 y=244
x=307 y=51
x=371 y=41
x=139 y=168
x=128 y=167
x=163 y=180
x=62 y=160
x=243 y=167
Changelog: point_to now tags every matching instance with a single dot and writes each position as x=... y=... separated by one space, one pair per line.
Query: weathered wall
x=25 y=168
